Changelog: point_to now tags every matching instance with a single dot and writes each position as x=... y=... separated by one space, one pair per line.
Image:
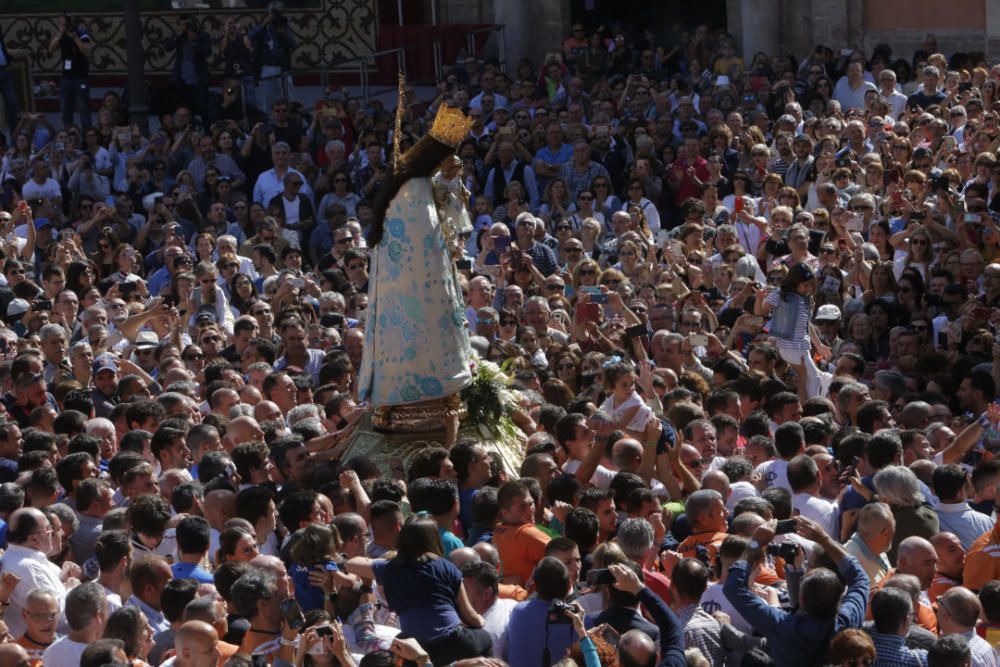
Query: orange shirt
x=982 y=563
x=520 y=548
x=34 y=649
x=711 y=540
x=941 y=585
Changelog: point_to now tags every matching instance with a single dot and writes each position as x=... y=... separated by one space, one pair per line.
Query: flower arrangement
x=490 y=400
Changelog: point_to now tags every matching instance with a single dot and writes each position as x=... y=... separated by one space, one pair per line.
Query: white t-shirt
x=601 y=478
x=713 y=599
x=638 y=421
x=775 y=473
x=496 y=618
x=63 y=652
x=823 y=512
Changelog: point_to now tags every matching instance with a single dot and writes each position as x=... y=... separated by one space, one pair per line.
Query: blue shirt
x=309 y=596
x=465 y=498
x=799 y=639
x=191 y=571
x=449 y=541
x=891 y=651
x=528 y=634
x=423 y=596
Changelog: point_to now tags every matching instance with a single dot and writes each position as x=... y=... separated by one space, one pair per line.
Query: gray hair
x=335 y=298
x=66 y=515
x=897 y=485
x=94 y=425
x=44 y=594
x=83 y=603
x=699 y=502
x=79 y=346
x=50 y=331
x=301 y=412
x=635 y=537
x=255 y=585
x=281 y=144
x=241 y=410
x=334 y=143
x=873 y=517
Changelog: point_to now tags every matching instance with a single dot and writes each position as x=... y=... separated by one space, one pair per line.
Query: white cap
x=827 y=312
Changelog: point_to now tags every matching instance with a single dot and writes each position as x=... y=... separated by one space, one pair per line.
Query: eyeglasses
x=231 y=265
x=563 y=228
x=827 y=251
x=508 y=322
x=555 y=286
x=587 y=272
x=860 y=207
x=194 y=357
x=42 y=616
x=344 y=240
x=918 y=242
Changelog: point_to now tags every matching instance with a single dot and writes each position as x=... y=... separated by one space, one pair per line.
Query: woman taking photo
x=426 y=591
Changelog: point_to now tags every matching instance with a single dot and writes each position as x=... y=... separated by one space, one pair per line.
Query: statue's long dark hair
x=422 y=160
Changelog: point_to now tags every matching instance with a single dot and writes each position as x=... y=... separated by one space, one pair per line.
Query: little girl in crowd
x=627 y=409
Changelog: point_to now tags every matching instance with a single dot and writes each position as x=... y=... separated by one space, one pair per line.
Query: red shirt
x=688 y=188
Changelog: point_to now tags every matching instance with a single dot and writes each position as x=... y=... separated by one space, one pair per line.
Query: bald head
x=197 y=644
x=266 y=410
x=220 y=507
x=463 y=555
x=961 y=610
x=488 y=553
x=917 y=556
x=717 y=481
x=13 y=655
x=915 y=546
x=638 y=646
x=272 y=564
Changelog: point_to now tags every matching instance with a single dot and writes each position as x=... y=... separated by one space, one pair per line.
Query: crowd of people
x=748 y=313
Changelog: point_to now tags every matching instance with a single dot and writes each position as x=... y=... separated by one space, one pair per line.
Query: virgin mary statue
x=417 y=355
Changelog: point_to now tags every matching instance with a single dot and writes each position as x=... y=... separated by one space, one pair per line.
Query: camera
x=940 y=183
x=786 y=551
x=559 y=613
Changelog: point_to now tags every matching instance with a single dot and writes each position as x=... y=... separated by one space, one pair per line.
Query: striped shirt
x=800 y=336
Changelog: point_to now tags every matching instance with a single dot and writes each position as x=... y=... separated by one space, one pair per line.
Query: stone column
x=533 y=28
x=760 y=27
x=992 y=29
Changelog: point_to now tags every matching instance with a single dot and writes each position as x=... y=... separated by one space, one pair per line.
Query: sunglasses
x=194 y=357
x=508 y=323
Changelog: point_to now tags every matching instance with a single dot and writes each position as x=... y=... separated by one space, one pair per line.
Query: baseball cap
x=147 y=339
x=42 y=222
x=803 y=137
x=204 y=314
x=827 y=311
x=105 y=362
x=17 y=307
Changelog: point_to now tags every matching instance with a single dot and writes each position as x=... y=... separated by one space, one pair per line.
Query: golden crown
x=451 y=126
